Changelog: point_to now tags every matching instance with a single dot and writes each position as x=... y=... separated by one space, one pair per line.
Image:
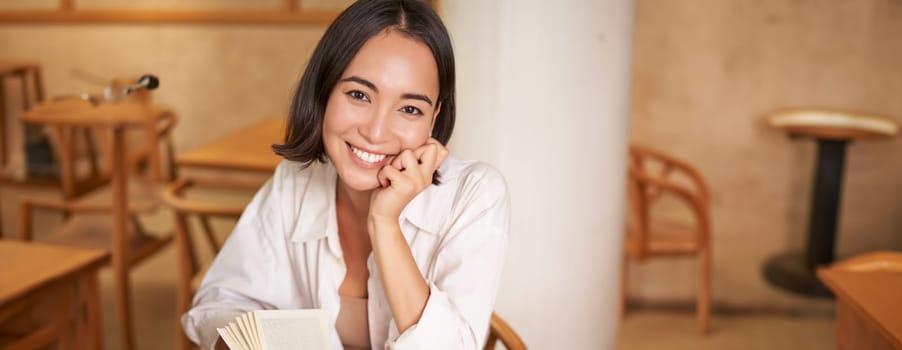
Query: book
x=277 y=330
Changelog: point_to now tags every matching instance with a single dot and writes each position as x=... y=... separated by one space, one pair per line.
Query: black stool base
x=788 y=271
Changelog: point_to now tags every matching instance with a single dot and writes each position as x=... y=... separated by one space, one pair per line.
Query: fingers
x=441 y=155
x=423 y=161
x=431 y=155
x=441 y=151
x=399 y=181
x=427 y=160
x=405 y=160
x=389 y=176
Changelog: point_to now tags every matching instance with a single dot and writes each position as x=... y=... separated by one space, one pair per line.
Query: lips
x=368 y=159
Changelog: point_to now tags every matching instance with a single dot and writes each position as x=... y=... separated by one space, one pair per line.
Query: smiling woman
x=354 y=220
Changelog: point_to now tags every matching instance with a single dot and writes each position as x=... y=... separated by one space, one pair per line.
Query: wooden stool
x=833 y=130
x=20 y=69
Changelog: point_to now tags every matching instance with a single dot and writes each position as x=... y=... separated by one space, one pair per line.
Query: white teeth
x=366 y=156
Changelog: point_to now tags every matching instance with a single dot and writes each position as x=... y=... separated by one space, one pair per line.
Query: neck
x=357 y=203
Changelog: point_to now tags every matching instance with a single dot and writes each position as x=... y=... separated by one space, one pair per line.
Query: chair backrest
x=500 y=331
x=190 y=266
x=652 y=174
x=184 y=208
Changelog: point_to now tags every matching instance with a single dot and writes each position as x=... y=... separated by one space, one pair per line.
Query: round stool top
x=832 y=124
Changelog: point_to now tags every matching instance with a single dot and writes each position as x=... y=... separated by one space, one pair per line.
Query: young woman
x=368 y=218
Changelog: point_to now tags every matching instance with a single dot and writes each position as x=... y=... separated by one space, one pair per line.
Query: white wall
x=543 y=95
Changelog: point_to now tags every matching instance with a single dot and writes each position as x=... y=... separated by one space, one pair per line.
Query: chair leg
x=94 y=326
x=187 y=268
x=123 y=299
x=704 y=289
x=624 y=272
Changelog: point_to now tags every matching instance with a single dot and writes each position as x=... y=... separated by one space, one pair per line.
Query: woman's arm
x=408 y=175
x=405 y=289
x=452 y=308
x=465 y=272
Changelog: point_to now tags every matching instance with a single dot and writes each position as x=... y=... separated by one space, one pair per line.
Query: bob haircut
x=338 y=46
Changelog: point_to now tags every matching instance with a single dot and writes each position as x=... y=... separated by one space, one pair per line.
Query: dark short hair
x=338 y=46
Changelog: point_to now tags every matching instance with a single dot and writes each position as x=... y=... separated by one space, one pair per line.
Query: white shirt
x=284 y=253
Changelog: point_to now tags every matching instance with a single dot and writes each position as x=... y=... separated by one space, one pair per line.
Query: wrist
x=377 y=224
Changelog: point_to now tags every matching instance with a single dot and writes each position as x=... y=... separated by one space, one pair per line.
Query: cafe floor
x=645 y=327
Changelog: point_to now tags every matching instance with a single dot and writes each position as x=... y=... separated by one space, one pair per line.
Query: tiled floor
x=643 y=328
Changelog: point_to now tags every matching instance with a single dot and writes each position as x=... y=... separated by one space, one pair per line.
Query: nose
x=376 y=129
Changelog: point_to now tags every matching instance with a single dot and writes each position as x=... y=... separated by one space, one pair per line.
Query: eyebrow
x=372 y=86
x=418 y=97
x=360 y=81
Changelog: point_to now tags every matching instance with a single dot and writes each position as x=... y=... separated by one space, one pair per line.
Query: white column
x=543 y=94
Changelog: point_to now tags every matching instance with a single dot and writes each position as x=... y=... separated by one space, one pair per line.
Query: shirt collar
x=316 y=218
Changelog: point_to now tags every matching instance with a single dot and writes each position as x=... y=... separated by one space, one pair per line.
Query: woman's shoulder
x=467 y=186
x=294 y=183
x=471 y=174
x=468 y=190
x=293 y=173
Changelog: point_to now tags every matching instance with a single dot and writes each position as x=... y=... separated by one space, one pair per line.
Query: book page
x=228 y=338
x=292 y=329
x=239 y=335
x=253 y=339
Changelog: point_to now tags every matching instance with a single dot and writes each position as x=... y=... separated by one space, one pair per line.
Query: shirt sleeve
x=464 y=280
x=240 y=278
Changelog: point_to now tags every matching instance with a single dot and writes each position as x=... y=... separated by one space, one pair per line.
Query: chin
x=359 y=181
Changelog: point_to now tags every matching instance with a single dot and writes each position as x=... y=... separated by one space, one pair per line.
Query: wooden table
x=868 y=301
x=248 y=149
x=31 y=269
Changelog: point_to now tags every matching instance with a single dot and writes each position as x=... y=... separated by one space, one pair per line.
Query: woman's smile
x=368 y=159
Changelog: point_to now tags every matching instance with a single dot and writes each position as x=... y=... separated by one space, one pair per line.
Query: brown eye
x=357 y=95
x=411 y=110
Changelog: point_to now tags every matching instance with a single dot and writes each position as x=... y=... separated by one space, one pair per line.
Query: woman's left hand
x=408 y=174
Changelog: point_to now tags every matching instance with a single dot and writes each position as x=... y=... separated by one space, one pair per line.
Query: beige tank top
x=353 y=323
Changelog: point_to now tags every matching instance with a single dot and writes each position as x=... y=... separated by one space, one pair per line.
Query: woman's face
x=384 y=102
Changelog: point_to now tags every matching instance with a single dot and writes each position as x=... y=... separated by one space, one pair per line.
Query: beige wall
x=217 y=77
x=705 y=71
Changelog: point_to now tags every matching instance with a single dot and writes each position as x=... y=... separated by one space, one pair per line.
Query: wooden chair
x=107 y=217
x=22 y=70
x=80 y=159
x=653 y=174
x=191 y=269
x=499 y=330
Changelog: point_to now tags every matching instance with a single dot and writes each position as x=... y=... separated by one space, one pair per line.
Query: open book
x=277 y=330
